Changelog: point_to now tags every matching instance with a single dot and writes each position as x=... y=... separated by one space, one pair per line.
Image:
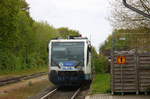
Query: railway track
x=61 y=93
x=20 y=78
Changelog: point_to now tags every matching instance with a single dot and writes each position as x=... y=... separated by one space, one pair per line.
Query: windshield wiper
x=79 y=62
x=56 y=63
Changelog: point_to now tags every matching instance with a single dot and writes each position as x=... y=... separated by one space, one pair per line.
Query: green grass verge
x=23 y=72
x=101 y=84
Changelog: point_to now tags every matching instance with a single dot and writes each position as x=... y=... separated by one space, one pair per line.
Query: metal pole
x=112 y=61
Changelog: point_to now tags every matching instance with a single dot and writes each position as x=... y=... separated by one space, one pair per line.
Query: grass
x=101 y=84
x=23 y=72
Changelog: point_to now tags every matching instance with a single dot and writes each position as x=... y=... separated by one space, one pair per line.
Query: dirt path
x=15 y=86
x=24 y=89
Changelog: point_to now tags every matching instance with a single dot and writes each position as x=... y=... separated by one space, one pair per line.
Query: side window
x=88 y=52
x=87 y=56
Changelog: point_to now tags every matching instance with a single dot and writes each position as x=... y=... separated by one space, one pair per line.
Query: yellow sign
x=121 y=60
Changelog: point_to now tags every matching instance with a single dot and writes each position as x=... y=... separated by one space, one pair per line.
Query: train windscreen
x=69 y=53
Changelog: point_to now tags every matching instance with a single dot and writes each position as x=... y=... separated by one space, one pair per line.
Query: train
x=70 y=61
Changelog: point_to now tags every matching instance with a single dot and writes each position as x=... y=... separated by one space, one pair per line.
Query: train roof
x=69 y=40
x=75 y=39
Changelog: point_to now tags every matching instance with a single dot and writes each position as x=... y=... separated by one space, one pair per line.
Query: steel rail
x=20 y=78
x=75 y=94
x=48 y=94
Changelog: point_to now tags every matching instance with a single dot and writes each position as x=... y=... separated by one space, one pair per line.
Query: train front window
x=66 y=52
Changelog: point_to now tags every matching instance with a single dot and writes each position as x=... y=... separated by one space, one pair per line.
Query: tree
x=144 y=3
x=9 y=32
x=138 y=39
x=65 y=32
x=123 y=17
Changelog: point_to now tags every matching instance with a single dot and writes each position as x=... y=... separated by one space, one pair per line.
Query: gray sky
x=87 y=16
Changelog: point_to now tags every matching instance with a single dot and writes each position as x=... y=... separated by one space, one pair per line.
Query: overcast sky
x=87 y=16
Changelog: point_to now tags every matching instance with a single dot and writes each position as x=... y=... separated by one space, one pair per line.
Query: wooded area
x=23 y=41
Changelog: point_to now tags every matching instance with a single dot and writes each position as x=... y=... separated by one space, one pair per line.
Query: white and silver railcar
x=70 y=61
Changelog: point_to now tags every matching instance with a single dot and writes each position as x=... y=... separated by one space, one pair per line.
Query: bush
x=101 y=64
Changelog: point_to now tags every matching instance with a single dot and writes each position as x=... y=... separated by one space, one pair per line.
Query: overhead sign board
x=121 y=60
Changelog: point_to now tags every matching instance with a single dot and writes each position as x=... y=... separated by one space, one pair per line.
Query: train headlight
x=78 y=67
